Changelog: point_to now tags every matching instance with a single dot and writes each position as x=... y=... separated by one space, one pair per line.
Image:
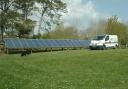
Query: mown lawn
x=79 y=69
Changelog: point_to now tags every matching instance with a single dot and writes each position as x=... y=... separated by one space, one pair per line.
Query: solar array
x=15 y=43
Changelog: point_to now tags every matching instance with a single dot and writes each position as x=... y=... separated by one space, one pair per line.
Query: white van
x=104 y=41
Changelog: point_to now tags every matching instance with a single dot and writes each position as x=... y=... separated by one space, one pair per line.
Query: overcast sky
x=82 y=12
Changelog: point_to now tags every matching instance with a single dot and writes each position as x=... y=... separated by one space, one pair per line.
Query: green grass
x=80 y=69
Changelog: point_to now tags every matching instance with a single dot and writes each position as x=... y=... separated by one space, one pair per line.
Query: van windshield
x=99 y=37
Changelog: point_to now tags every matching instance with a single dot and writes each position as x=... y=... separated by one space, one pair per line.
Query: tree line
x=112 y=26
x=16 y=20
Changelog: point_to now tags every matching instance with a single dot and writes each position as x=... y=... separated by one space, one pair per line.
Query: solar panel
x=70 y=43
x=60 y=43
x=9 y=44
x=43 y=44
x=54 y=43
x=15 y=43
x=76 y=43
x=30 y=43
x=36 y=43
x=48 y=44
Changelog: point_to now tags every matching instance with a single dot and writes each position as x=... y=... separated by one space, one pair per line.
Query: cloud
x=80 y=11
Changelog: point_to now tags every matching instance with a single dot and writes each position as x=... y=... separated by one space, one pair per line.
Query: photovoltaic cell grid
x=13 y=43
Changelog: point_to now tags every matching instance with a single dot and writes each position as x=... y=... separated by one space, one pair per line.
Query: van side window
x=107 y=38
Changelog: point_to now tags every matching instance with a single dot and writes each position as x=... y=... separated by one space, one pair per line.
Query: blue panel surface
x=15 y=43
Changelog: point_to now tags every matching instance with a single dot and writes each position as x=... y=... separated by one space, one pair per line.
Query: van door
x=107 y=41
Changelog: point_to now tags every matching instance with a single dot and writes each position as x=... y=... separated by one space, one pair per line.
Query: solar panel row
x=41 y=43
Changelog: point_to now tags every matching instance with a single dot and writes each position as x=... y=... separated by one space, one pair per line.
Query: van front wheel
x=104 y=47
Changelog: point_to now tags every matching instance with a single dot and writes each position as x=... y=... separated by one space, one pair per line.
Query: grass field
x=79 y=69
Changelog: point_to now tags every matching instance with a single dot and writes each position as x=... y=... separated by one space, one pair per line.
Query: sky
x=82 y=12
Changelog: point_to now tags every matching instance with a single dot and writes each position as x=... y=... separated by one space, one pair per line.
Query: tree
x=63 y=33
x=10 y=26
x=95 y=28
x=50 y=12
x=25 y=27
x=24 y=7
x=5 y=10
x=14 y=13
x=115 y=27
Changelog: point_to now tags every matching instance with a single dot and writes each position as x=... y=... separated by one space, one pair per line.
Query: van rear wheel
x=116 y=46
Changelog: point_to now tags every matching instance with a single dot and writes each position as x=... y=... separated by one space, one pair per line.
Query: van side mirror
x=107 y=38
